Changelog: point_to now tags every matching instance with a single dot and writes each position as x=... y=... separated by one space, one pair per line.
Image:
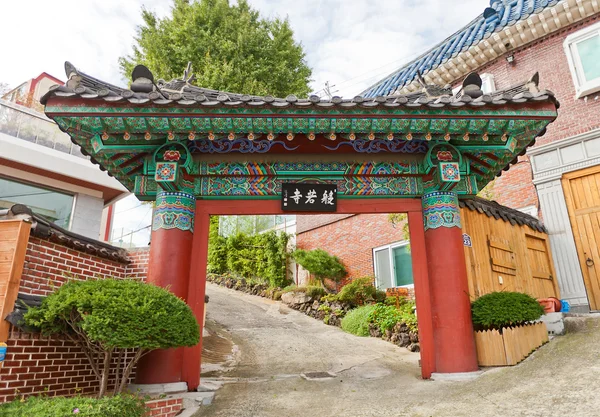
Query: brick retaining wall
x=55 y=366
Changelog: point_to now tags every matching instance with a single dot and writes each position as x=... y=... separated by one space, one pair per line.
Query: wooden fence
x=14 y=235
x=507 y=257
x=511 y=346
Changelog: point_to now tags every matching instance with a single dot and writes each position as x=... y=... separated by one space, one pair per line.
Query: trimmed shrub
x=360 y=291
x=498 y=310
x=117 y=406
x=321 y=264
x=357 y=321
x=107 y=316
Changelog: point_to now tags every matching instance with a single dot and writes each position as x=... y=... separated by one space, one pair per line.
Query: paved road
x=274 y=345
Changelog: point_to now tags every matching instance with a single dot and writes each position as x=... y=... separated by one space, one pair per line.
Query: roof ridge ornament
x=188 y=76
x=471 y=85
x=178 y=85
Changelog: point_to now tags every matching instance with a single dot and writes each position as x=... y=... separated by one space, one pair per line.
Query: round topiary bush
x=498 y=310
x=357 y=321
x=106 y=317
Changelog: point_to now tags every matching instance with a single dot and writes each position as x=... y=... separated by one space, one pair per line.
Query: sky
x=349 y=43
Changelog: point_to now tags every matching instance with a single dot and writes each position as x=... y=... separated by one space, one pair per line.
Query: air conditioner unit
x=488 y=85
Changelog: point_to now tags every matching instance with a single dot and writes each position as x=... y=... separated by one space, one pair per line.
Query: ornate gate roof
x=179 y=137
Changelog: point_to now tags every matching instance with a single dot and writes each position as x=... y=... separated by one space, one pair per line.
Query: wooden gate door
x=582 y=194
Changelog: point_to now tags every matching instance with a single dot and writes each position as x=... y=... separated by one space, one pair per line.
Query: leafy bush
x=357 y=321
x=117 y=406
x=502 y=309
x=262 y=256
x=321 y=264
x=386 y=316
x=360 y=291
x=105 y=317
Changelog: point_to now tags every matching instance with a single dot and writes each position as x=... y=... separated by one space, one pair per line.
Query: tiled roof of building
x=500 y=15
x=498 y=211
x=44 y=229
x=182 y=92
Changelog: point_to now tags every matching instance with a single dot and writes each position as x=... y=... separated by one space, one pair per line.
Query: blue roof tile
x=501 y=14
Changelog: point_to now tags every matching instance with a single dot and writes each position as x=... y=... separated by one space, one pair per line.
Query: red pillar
x=450 y=303
x=422 y=293
x=197 y=290
x=169 y=267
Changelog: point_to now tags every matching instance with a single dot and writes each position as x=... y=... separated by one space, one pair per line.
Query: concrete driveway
x=260 y=348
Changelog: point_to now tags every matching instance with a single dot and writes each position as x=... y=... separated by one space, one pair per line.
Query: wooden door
x=543 y=282
x=582 y=194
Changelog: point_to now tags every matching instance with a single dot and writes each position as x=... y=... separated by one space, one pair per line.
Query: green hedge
x=118 y=406
x=498 y=310
x=262 y=256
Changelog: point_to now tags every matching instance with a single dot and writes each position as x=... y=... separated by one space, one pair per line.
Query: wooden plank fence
x=511 y=346
x=14 y=235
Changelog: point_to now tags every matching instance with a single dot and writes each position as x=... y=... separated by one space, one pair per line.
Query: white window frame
x=531 y=210
x=389 y=248
x=582 y=88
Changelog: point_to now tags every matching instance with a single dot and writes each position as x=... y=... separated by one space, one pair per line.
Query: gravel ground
x=274 y=345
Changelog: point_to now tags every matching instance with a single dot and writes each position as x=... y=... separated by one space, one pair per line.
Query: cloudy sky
x=350 y=43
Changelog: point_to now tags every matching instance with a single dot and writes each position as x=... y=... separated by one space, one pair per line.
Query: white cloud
x=350 y=43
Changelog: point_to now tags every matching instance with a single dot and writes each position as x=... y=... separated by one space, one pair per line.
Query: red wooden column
x=197 y=290
x=169 y=267
x=422 y=292
x=450 y=305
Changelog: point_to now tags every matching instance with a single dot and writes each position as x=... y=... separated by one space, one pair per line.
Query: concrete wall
x=87 y=215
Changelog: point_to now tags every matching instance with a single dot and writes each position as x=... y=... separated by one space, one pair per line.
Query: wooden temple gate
x=200 y=152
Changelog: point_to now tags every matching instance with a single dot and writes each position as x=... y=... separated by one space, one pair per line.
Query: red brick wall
x=47 y=266
x=575 y=116
x=309 y=222
x=54 y=366
x=352 y=240
x=168 y=407
x=138 y=268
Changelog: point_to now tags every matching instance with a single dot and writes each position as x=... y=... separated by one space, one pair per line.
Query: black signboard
x=308 y=197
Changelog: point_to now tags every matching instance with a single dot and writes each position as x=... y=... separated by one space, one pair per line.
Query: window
x=393 y=266
x=583 y=54
x=55 y=206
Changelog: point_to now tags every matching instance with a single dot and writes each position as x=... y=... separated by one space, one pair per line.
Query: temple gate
x=199 y=152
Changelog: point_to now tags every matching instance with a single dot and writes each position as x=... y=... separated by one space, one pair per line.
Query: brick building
x=558 y=179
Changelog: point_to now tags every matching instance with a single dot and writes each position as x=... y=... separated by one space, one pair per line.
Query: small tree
x=107 y=317
x=320 y=264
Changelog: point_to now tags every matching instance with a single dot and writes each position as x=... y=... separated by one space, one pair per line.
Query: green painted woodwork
x=126 y=141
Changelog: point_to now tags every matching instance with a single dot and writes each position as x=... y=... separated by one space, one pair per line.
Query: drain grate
x=310 y=376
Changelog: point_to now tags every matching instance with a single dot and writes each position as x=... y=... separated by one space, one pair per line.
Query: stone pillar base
x=168 y=388
x=456 y=376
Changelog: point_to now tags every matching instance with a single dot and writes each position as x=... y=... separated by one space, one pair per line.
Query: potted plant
x=506 y=330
